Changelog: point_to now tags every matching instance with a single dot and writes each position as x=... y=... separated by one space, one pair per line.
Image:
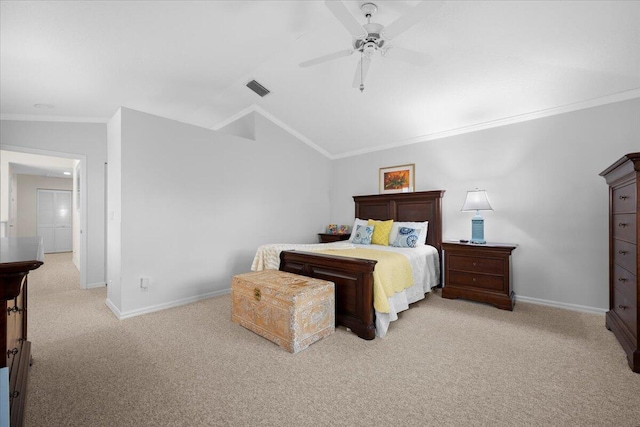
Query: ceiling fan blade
x=345 y=17
x=326 y=58
x=361 y=71
x=406 y=55
x=410 y=18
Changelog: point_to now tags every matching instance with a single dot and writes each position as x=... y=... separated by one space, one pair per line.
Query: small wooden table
x=18 y=256
x=479 y=272
x=328 y=238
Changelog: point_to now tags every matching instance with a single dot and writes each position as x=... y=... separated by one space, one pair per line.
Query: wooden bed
x=353 y=277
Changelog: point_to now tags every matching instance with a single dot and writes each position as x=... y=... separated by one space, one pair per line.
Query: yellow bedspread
x=392 y=273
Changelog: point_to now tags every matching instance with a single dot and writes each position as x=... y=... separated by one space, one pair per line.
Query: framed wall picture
x=397 y=179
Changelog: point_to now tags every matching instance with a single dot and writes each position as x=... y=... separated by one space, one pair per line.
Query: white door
x=54 y=220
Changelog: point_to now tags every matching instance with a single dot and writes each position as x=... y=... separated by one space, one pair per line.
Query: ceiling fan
x=371 y=37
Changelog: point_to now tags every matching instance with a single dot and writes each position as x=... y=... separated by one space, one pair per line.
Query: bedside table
x=479 y=273
x=328 y=238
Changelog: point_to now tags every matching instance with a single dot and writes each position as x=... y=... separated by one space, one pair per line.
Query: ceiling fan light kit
x=372 y=37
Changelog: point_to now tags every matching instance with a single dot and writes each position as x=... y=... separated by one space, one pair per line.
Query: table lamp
x=477 y=201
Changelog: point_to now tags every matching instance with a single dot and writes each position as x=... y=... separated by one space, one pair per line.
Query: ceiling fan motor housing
x=372 y=42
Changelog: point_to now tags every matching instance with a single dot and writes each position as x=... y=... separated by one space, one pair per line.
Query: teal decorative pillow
x=363 y=235
x=407 y=237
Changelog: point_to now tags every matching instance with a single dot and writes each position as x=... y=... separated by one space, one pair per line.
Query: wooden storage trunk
x=292 y=311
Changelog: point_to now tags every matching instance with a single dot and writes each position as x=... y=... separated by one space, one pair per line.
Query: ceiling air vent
x=257 y=88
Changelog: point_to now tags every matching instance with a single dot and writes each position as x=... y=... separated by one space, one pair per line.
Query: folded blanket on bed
x=392 y=273
x=268 y=256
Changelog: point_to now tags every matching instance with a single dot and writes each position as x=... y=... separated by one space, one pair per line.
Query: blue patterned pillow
x=363 y=235
x=407 y=237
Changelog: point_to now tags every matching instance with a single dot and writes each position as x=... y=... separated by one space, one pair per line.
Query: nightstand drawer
x=476 y=264
x=475 y=280
x=624 y=254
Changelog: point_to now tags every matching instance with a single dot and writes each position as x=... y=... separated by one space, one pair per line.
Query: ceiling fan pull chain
x=361 y=77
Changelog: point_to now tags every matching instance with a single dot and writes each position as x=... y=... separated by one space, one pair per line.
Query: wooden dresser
x=18 y=256
x=479 y=272
x=624 y=258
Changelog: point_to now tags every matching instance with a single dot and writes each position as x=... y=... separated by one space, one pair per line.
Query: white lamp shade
x=476 y=201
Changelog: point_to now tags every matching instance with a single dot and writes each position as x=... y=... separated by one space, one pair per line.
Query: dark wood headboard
x=418 y=206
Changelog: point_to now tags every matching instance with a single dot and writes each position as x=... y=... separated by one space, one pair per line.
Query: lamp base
x=477 y=229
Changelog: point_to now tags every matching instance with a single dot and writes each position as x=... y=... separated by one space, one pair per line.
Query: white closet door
x=46 y=219
x=54 y=220
x=63 y=231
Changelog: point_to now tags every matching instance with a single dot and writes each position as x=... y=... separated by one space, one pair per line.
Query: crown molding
x=41 y=118
x=595 y=102
x=254 y=108
x=576 y=106
x=237 y=116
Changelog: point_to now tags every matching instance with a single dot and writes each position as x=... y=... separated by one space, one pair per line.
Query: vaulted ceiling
x=489 y=62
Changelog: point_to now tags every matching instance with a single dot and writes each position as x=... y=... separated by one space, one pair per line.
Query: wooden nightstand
x=328 y=238
x=479 y=272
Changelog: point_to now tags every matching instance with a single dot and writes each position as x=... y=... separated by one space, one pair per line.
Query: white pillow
x=362 y=235
x=423 y=233
x=407 y=237
x=356 y=223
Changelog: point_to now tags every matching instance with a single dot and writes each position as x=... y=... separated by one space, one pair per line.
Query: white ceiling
x=491 y=62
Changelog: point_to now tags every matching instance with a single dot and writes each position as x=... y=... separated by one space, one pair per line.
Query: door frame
x=83 y=198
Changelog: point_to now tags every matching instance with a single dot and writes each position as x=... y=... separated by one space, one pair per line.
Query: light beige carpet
x=445 y=362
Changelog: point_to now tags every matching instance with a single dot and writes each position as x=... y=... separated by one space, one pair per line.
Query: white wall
x=86 y=139
x=542 y=180
x=196 y=203
x=541 y=176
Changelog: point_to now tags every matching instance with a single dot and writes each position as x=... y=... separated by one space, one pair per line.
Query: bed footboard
x=353 y=278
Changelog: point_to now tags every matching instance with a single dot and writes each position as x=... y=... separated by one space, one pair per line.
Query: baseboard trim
x=164 y=306
x=95 y=285
x=566 y=306
x=112 y=307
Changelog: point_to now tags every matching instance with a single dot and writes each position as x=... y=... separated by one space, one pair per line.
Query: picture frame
x=397 y=179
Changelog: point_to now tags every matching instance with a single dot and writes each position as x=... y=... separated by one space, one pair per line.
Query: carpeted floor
x=445 y=362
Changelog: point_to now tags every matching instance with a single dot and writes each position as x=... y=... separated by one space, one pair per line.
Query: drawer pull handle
x=474 y=279
x=622 y=279
x=623 y=197
x=622 y=224
x=474 y=264
x=14 y=309
x=623 y=252
x=622 y=307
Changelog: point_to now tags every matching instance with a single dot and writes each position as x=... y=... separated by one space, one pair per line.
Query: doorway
x=13 y=161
